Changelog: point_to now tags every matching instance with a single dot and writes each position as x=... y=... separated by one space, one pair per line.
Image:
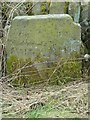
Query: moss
x=24 y=71
x=66 y=7
x=57 y=73
x=11 y=64
x=45 y=7
x=68 y=70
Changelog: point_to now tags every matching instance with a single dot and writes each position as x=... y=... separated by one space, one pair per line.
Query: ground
x=70 y=100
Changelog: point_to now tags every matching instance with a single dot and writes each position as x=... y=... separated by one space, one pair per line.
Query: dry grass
x=73 y=97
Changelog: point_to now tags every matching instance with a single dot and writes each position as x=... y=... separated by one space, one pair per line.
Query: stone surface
x=85 y=25
x=37 y=8
x=89 y=11
x=40 y=8
x=1 y=34
x=84 y=12
x=43 y=35
x=57 y=8
x=43 y=38
x=0 y=59
x=74 y=11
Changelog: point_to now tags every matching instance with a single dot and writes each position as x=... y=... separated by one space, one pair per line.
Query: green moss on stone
x=12 y=64
x=27 y=73
x=66 y=7
x=23 y=71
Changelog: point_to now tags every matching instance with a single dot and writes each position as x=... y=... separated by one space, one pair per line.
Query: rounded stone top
x=52 y=16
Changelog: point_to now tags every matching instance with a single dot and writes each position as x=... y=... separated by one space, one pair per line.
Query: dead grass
x=68 y=100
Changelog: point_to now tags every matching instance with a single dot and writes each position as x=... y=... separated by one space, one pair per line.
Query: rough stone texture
x=0 y=39
x=37 y=8
x=84 y=12
x=43 y=35
x=74 y=11
x=89 y=11
x=0 y=59
x=1 y=31
x=43 y=38
x=57 y=8
x=40 y=8
x=85 y=25
x=0 y=23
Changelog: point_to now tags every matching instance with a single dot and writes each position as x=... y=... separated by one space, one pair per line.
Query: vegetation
x=50 y=112
x=54 y=91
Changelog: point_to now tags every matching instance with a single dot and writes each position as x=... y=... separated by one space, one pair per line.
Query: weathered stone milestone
x=41 y=39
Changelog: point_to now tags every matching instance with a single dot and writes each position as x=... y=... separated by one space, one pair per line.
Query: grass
x=48 y=112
